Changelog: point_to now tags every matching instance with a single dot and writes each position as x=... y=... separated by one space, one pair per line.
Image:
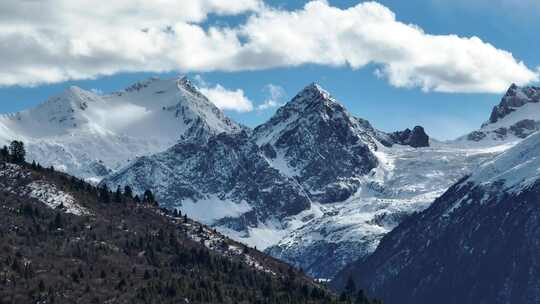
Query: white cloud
x=57 y=40
x=369 y=33
x=275 y=95
x=234 y=100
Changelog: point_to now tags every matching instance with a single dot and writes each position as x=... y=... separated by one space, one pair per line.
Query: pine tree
x=118 y=195
x=128 y=192
x=148 y=197
x=17 y=151
x=104 y=194
x=4 y=153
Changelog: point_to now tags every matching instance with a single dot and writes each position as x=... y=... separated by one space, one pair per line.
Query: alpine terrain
x=477 y=243
x=66 y=241
x=314 y=185
x=91 y=136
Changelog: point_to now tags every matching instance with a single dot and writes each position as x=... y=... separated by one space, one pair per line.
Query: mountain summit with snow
x=314 y=185
x=516 y=117
x=477 y=242
x=314 y=139
x=91 y=135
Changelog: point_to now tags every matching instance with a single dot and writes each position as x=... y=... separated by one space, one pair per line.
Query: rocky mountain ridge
x=67 y=241
x=91 y=135
x=514 y=118
x=477 y=243
x=314 y=185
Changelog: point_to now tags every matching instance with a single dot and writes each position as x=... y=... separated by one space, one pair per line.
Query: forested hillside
x=63 y=240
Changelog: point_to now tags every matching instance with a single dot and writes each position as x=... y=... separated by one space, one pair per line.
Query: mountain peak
x=514 y=98
x=185 y=83
x=74 y=89
x=312 y=92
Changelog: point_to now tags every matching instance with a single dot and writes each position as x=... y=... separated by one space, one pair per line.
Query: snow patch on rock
x=56 y=199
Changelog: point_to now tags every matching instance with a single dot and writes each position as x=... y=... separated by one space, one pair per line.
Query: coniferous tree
x=17 y=151
x=128 y=192
x=4 y=153
x=104 y=194
x=148 y=197
x=136 y=199
x=118 y=195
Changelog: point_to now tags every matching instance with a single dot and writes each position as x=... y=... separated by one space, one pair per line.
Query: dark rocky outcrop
x=229 y=167
x=514 y=98
x=510 y=119
x=415 y=138
x=317 y=139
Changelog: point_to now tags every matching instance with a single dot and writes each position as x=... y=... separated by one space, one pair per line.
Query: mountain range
x=477 y=243
x=66 y=241
x=91 y=135
x=314 y=186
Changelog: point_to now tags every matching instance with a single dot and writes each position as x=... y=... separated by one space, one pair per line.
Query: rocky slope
x=337 y=184
x=258 y=186
x=477 y=243
x=516 y=117
x=226 y=182
x=315 y=140
x=314 y=182
x=63 y=241
x=415 y=138
x=406 y=181
x=332 y=185
x=92 y=135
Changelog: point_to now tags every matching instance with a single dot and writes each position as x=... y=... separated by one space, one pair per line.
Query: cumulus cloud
x=369 y=33
x=233 y=100
x=57 y=40
x=275 y=95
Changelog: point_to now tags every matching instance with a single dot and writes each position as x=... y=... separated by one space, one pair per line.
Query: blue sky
x=505 y=24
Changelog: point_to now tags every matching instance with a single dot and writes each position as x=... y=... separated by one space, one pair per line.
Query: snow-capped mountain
x=516 y=117
x=314 y=185
x=258 y=186
x=226 y=182
x=91 y=135
x=477 y=243
x=315 y=140
x=406 y=181
x=337 y=184
x=314 y=181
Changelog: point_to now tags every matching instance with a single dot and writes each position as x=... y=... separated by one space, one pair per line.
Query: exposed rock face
x=228 y=173
x=516 y=117
x=319 y=143
x=515 y=97
x=311 y=150
x=477 y=243
x=415 y=138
